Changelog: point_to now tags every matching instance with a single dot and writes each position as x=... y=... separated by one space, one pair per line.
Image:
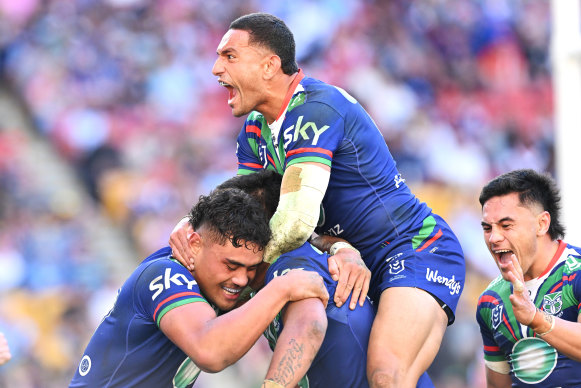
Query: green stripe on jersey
x=425 y=231
x=178 y=304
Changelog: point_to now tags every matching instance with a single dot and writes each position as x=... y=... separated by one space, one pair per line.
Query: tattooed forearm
x=290 y=362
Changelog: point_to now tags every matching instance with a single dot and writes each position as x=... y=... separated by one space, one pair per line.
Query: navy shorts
x=429 y=258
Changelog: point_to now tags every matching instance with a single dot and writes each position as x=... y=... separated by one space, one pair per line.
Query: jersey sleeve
x=484 y=311
x=312 y=133
x=573 y=264
x=247 y=146
x=163 y=286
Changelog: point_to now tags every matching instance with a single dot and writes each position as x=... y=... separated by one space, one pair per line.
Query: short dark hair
x=264 y=186
x=233 y=215
x=271 y=32
x=532 y=187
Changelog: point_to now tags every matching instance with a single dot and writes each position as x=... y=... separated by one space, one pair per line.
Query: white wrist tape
x=340 y=245
x=501 y=367
x=302 y=190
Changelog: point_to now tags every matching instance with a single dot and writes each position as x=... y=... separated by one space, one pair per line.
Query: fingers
x=333 y=268
x=365 y=289
x=344 y=287
x=179 y=243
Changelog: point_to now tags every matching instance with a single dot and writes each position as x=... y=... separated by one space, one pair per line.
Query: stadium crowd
x=122 y=91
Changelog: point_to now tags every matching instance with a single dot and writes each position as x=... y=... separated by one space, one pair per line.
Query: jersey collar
x=292 y=90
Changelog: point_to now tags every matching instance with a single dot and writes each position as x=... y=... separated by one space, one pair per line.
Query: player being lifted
x=331 y=153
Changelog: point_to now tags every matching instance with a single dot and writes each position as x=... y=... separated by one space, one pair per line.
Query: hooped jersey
x=367 y=201
x=128 y=349
x=342 y=358
x=532 y=361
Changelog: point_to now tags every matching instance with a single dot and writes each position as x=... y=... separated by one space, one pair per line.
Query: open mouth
x=231 y=91
x=503 y=256
x=232 y=291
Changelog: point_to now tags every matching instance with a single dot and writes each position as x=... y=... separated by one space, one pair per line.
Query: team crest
x=396 y=266
x=496 y=316
x=552 y=303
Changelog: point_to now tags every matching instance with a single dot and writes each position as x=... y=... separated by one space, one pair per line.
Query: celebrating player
x=157 y=335
x=529 y=315
x=339 y=177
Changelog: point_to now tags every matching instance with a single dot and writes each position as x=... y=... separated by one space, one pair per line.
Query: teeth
x=502 y=251
x=231 y=290
x=222 y=83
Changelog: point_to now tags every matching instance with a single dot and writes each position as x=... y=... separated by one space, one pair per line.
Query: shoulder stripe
x=175 y=296
x=251 y=165
x=508 y=326
x=253 y=129
x=487 y=299
x=304 y=150
x=491 y=348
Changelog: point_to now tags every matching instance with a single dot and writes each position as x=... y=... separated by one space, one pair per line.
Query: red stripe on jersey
x=556 y=287
x=430 y=241
x=560 y=249
x=251 y=165
x=491 y=348
x=489 y=299
x=316 y=149
x=270 y=160
x=170 y=298
x=508 y=326
x=253 y=129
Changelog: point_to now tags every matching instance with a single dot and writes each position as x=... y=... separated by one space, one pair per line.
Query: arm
x=5 y=355
x=302 y=190
x=565 y=336
x=346 y=266
x=214 y=343
x=497 y=380
x=305 y=324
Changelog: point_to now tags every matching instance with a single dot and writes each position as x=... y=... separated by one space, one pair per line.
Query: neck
x=276 y=92
x=547 y=249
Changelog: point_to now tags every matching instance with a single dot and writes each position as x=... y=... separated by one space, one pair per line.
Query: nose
x=240 y=277
x=495 y=236
x=217 y=69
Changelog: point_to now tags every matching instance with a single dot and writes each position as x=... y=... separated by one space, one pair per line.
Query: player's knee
x=390 y=374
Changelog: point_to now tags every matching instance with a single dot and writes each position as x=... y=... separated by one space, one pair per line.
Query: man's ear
x=271 y=66
x=195 y=241
x=544 y=221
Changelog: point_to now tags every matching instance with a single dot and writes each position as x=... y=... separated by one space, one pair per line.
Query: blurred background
x=112 y=125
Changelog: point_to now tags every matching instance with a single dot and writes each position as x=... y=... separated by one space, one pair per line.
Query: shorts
x=429 y=258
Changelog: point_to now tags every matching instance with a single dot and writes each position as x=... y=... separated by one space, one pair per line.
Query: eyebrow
x=234 y=262
x=483 y=223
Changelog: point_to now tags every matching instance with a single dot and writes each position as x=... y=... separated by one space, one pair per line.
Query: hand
x=348 y=268
x=305 y=284
x=5 y=355
x=178 y=241
x=523 y=308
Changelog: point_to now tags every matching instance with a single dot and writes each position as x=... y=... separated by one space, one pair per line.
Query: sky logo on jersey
x=496 y=316
x=304 y=130
x=552 y=303
x=178 y=279
x=451 y=283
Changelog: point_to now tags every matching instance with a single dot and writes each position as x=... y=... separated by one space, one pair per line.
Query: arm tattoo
x=289 y=363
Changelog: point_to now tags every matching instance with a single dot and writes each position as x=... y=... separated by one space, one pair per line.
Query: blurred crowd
x=122 y=92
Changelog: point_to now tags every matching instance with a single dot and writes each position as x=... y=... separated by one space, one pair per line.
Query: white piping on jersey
x=275 y=127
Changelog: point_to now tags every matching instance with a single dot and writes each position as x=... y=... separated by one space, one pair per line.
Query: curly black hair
x=532 y=187
x=271 y=32
x=231 y=214
x=263 y=185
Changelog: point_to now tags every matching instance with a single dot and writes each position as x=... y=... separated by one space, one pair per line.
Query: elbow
x=210 y=362
x=314 y=328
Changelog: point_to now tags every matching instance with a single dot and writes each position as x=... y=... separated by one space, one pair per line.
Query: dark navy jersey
x=341 y=361
x=515 y=347
x=367 y=201
x=128 y=349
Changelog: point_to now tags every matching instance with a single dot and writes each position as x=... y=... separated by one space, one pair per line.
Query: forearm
x=565 y=335
x=224 y=340
x=305 y=324
x=302 y=190
x=324 y=242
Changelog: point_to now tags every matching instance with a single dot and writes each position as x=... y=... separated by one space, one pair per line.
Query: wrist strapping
x=340 y=245
x=271 y=384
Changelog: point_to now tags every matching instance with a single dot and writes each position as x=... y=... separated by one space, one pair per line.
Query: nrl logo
x=496 y=316
x=552 y=303
x=396 y=266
